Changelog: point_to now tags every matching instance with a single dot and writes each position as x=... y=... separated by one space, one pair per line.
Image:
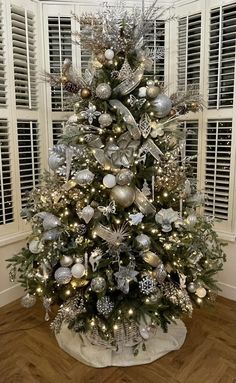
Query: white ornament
x=144 y=332
x=136 y=218
x=35 y=246
x=109 y=181
x=87 y=213
x=142 y=91
x=78 y=270
x=201 y=292
x=109 y=54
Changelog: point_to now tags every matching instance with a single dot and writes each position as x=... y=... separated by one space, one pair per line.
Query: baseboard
x=227 y=291
x=11 y=294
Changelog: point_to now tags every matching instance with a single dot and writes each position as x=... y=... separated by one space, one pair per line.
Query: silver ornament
x=105 y=305
x=192 y=287
x=84 y=177
x=191 y=220
x=152 y=91
x=95 y=257
x=123 y=195
x=166 y=217
x=142 y=91
x=103 y=91
x=63 y=275
x=124 y=276
x=105 y=120
x=78 y=270
x=51 y=235
x=136 y=218
x=98 y=284
x=55 y=161
x=81 y=229
x=160 y=273
x=87 y=213
x=148 y=285
x=162 y=105
x=50 y=221
x=150 y=82
x=36 y=246
x=124 y=177
x=66 y=260
x=143 y=242
x=28 y=301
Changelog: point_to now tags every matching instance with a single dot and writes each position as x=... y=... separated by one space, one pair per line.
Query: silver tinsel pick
x=67 y=312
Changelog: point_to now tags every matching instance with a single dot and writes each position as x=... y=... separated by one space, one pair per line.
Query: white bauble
x=109 y=181
x=109 y=54
x=36 y=246
x=201 y=292
x=78 y=270
x=142 y=91
x=87 y=213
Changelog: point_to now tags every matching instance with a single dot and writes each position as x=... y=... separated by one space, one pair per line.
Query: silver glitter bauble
x=192 y=287
x=55 y=161
x=143 y=242
x=84 y=177
x=50 y=221
x=123 y=195
x=105 y=305
x=162 y=105
x=105 y=120
x=103 y=91
x=98 y=284
x=148 y=285
x=87 y=213
x=36 y=246
x=109 y=54
x=152 y=91
x=66 y=260
x=81 y=229
x=160 y=273
x=109 y=181
x=124 y=177
x=201 y=292
x=63 y=275
x=28 y=301
x=78 y=270
x=51 y=235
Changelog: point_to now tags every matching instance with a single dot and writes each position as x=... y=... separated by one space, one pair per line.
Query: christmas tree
x=118 y=235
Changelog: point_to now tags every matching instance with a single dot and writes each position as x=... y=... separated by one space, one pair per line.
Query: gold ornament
x=123 y=195
x=152 y=91
x=85 y=93
x=101 y=57
x=151 y=258
x=63 y=79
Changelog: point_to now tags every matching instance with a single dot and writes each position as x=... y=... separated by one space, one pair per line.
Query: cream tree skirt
x=99 y=356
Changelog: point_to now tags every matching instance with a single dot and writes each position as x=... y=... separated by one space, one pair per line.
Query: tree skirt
x=157 y=345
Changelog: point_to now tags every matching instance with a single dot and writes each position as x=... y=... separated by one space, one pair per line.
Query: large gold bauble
x=123 y=195
x=152 y=91
x=85 y=93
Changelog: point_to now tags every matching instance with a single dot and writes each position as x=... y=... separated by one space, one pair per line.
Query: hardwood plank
x=31 y=354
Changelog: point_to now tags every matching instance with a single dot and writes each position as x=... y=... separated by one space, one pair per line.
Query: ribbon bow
x=122 y=152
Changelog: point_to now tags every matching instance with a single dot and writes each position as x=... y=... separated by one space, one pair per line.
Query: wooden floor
x=32 y=355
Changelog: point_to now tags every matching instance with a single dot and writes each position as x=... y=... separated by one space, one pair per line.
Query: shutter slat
x=24 y=57
x=3 y=98
x=6 y=203
x=155 y=40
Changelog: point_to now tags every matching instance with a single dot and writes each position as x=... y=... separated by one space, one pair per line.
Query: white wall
x=227 y=277
x=8 y=291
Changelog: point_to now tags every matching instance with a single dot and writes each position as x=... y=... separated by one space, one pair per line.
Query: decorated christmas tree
x=118 y=238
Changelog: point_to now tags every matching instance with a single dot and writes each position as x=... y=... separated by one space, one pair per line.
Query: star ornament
x=124 y=276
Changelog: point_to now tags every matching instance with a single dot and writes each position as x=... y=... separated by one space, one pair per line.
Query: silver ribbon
x=127 y=117
x=153 y=149
x=143 y=204
x=126 y=86
x=102 y=158
x=122 y=152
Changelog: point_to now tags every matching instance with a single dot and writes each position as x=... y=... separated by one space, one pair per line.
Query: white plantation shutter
x=57 y=128
x=25 y=74
x=29 y=156
x=189 y=45
x=155 y=41
x=85 y=55
x=2 y=63
x=60 y=48
x=222 y=56
x=6 y=207
x=217 y=167
x=191 y=146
